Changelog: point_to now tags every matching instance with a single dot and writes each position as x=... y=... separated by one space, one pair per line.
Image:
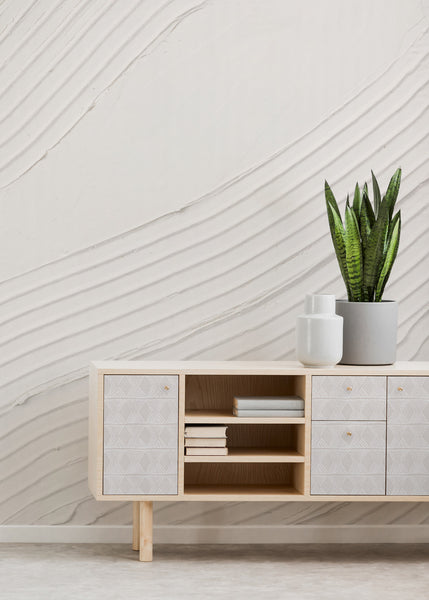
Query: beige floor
x=83 y=572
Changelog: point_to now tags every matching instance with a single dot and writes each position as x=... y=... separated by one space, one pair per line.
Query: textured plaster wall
x=161 y=196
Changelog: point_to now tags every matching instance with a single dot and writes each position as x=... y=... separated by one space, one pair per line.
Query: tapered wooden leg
x=146 y=522
x=136 y=525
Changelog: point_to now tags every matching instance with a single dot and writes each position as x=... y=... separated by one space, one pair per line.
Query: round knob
x=400 y=389
x=349 y=389
x=166 y=387
x=349 y=433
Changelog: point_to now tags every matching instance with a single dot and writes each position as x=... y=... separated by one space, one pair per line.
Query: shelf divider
x=225 y=417
x=251 y=455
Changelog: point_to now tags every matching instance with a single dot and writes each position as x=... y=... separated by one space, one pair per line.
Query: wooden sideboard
x=364 y=435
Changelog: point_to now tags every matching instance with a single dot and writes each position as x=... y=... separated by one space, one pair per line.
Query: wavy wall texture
x=156 y=205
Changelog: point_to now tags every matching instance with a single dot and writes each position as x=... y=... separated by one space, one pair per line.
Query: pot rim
x=366 y=303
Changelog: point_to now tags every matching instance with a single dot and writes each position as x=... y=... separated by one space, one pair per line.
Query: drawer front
x=408 y=387
x=408 y=436
x=140 y=434
x=344 y=386
x=348 y=434
x=339 y=398
x=141 y=386
x=348 y=458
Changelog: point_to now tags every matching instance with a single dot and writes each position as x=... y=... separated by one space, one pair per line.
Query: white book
x=205 y=442
x=206 y=451
x=267 y=413
x=205 y=431
x=269 y=402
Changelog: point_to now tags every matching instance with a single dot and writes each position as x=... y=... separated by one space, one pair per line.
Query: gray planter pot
x=370 y=328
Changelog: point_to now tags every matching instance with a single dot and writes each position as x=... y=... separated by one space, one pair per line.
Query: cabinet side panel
x=95 y=432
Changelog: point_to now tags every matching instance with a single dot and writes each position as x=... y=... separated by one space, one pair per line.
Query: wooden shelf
x=243 y=491
x=252 y=455
x=225 y=417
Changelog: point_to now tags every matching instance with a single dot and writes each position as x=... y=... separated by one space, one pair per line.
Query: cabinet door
x=348 y=458
x=140 y=434
x=408 y=436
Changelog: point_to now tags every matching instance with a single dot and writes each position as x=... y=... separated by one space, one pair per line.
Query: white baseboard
x=195 y=534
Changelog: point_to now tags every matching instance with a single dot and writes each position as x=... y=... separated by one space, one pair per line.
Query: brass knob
x=349 y=433
x=349 y=389
x=400 y=389
x=166 y=387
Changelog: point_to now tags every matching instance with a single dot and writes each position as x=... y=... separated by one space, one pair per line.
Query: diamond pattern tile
x=348 y=409
x=348 y=462
x=140 y=462
x=408 y=485
x=157 y=411
x=140 y=436
x=355 y=485
x=411 y=411
x=140 y=484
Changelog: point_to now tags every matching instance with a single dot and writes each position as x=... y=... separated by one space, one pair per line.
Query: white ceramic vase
x=319 y=332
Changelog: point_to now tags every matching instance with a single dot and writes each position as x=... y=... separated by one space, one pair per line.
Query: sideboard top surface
x=256 y=367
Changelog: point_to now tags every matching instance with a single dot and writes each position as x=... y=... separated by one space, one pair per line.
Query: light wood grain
x=146 y=531
x=224 y=416
x=181 y=435
x=136 y=525
x=252 y=455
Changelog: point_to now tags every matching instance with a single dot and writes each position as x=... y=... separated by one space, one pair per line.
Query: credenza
x=364 y=435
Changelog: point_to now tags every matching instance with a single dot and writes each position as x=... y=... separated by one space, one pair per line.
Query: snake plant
x=366 y=242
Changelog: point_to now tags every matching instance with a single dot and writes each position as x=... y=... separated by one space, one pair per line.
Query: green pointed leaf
x=357 y=201
x=366 y=220
x=338 y=240
x=377 y=195
x=353 y=255
x=375 y=248
x=393 y=190
x=330 y=198
x=392 y=251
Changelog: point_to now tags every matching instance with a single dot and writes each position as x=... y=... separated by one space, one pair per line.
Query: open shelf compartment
x=260 y=443
x=209 y=398
x=252 y=479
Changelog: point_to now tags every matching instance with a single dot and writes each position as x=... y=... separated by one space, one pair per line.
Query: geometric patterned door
x=408 y=436
x=140 y=434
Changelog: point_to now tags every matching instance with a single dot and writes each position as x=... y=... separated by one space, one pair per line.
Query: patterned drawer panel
x=335 y=435
x=408 y=410
x=140 y=436
x=120 y=411
x=344 y=485
x=407 y=462
x=141 y=386
x=407 y=436
x=408 y=387
x=140 y=484
x=408 y=485
x=348 y=462
x=348 y=409
x=140 y=462
x=341 y=386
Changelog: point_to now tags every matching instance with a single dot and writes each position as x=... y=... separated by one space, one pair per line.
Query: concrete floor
x=276 y=572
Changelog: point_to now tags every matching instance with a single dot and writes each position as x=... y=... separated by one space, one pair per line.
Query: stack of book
x=268 y=406
x=205 y=440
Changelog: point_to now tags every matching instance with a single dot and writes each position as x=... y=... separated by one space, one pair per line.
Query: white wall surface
x=161 y=175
